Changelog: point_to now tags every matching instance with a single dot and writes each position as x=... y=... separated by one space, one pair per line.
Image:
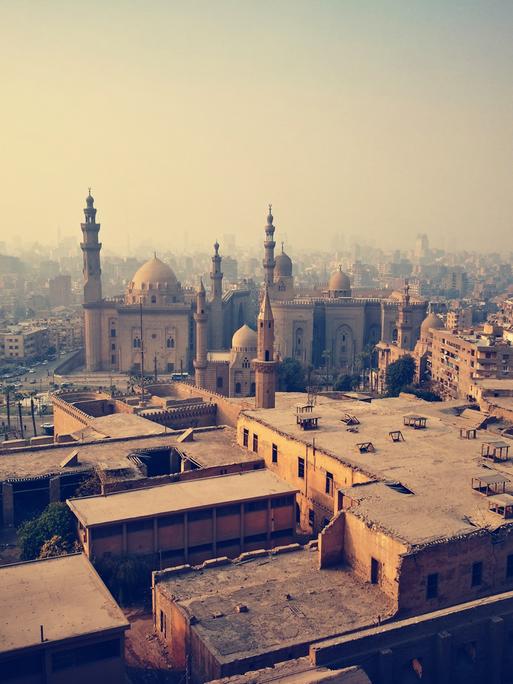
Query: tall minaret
x=269 y=245
x=264 y=364
x=216 y=301
x=92 y=286
x=404 y=321
x=200 y=318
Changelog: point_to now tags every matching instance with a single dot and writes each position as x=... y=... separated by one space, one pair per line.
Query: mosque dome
x=283 y=266
x=431 y=321
x=153 y=275
x=339 y=282
x=244 y=338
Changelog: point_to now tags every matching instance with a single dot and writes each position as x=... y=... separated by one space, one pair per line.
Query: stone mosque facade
x=156 y=325
x=333 y=324
x=152 y=322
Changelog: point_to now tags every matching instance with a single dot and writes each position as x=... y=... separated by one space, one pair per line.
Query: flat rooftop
x=289 y=601
x=178 y=496
x=211 y=446
x=434 y=464
x=63 y=594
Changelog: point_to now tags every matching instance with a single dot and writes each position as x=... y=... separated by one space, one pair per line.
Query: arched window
x=170 y=343
x=267 y=354
x=394 y=335
x=252 y=390
x=137 y=343
x=237 y=388
x=245 y=362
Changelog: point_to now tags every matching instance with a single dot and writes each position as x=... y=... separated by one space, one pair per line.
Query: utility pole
x=21 y=419
x=33 y=416
x=8 y=403
x=142 y=348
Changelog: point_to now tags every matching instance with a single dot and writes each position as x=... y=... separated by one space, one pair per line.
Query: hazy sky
x=376 y=119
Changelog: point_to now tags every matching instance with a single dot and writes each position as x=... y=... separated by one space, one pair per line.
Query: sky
x=369 y=120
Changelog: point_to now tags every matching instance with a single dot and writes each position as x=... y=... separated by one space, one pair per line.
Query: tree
x=90 y=486
x=57 y=546
x=399 y=374
x=426 y=394
x=346 y=383
x=127 y=577
x=291 y=376
x=55 y=521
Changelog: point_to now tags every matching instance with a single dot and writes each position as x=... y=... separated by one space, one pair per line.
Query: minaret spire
x=92 y=274
x=200 y=318
x=265 y=365
x=269 y=262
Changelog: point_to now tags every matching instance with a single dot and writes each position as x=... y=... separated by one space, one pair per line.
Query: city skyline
x=353 y=119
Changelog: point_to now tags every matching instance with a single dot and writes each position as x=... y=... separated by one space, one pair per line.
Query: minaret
x=92 y=286
x=200 y=318
x=216 y=302
x=264 y=364
x=269 y=245
x=404 y=320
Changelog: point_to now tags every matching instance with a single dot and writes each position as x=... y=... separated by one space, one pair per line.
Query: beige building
x=150 y=325
x=59 y=624
x=461 y=359
x=459 y=319
x=397 y=488
x=189 y=521
x=24 y=344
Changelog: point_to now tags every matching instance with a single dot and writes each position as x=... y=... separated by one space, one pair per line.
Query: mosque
x=155 y=326
x=151 y=325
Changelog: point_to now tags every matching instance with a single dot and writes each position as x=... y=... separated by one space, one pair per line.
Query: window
x=113 y=359
x=255 y=444
x=170 y=367
x=245 y=437
x=477 y=573
x=311 y=517
x=329 y=483
x=509 y=565
x=275 y=453
x=113 y=333
x=136 y=343
x=432 y=586
x=170 y=343
x=300 y=467
x=113 y=346
x=153 y=299
x=163 y=622
x=246 y=363
x=237 y=387
x=219 y=383
x=282 y=501
x=224 y=511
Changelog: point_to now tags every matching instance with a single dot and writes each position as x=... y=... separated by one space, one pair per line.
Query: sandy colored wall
x=312 y=494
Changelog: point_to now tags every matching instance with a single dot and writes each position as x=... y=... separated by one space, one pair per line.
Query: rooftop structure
x=260 y=609
x=60 y=607
x=178 y=496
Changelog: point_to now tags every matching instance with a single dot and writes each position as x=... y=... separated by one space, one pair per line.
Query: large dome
x=244 y=338
x=155 y=273
x=283 y=266
x=431 y=321
x=339 y=282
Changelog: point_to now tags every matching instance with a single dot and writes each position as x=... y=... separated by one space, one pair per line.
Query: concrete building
x=151 y=325
x=59 y=624
x=228 y=617
x=24 y=343
x=59 y=290
x=461 y=359
x=459 y=319
x=189 y=521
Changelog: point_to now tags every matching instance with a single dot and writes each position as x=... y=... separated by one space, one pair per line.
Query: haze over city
x=372 y=120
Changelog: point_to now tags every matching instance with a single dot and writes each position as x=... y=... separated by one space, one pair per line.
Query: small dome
x=283 y=265
x=245 y=338
x=154 y=272
x=339 y=282
x=431 y=321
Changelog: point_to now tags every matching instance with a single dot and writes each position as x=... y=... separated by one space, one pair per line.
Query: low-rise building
x=24 y=344
x=190 y=521
x=59 y=624
x=228 y=617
